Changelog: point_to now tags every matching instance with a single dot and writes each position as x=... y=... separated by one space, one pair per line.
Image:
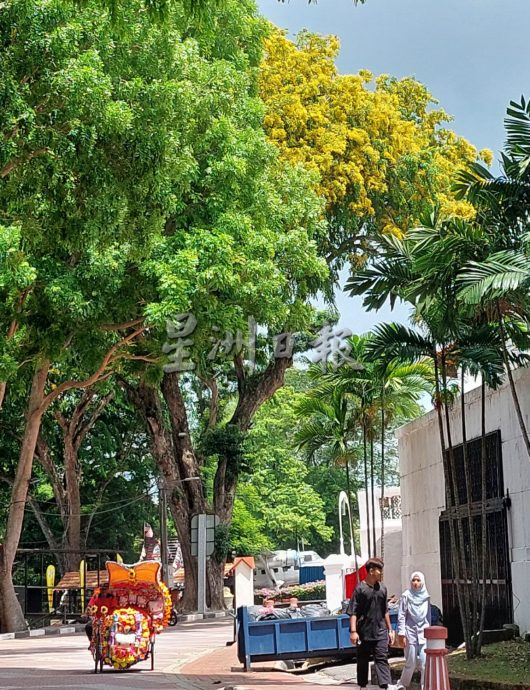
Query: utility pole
x=162 y=505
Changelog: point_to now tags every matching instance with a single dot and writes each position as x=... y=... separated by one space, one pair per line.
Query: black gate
x=499 y=608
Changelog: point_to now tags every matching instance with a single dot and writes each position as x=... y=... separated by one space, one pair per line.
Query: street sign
x=211 y=522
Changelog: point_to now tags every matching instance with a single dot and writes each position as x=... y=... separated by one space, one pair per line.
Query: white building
x=423 y=500
x=392 y=536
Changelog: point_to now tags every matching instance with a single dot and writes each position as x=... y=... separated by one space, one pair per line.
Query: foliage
x=381 y=153
x=248 y=529
x=279 y=496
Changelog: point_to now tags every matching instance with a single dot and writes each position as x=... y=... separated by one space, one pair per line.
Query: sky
x=473 y=55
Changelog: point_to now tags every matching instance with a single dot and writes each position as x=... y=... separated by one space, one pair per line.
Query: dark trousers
x=379 y=650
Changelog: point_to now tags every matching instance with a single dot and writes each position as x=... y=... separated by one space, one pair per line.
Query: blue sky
x=473 y=55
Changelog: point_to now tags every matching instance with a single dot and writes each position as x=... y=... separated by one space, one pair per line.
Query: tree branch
x=43 y=523
x=240 y=371
x=257 y=390
x=43 y=455
x=85 y=428
x=61 y=420
x=79 y=411
x=122 y=326
x=98 y=375
x=214 y=401
x=9 y=167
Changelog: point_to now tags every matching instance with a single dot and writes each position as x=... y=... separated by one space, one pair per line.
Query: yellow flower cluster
x=378 y=146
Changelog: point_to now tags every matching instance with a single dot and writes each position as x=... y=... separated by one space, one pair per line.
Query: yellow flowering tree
x=380 y=150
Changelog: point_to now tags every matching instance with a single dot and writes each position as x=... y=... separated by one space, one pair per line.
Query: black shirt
x=370 y=606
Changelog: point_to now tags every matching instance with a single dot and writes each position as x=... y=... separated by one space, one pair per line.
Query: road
x=52 y=662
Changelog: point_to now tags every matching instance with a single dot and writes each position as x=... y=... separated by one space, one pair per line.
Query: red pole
x=436 y=671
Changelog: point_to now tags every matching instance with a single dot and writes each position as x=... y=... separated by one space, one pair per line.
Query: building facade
x=425 y=533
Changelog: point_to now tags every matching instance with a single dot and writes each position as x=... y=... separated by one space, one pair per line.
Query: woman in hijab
x=413 y=617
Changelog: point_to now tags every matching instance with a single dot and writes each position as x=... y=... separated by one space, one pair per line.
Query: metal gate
x=499 y=609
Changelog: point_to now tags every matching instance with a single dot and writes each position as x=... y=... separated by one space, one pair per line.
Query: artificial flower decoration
x=130 y=610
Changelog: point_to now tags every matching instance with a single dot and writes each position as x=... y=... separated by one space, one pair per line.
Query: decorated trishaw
x=127 y=613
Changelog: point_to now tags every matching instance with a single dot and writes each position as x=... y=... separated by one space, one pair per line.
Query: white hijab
x=417 y=599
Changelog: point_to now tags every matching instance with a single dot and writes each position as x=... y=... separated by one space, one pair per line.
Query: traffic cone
x=436 y=671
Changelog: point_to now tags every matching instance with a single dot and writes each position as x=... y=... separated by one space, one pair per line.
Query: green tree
x=90 y=158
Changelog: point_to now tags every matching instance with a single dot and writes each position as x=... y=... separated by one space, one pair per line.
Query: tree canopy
x=382 y=153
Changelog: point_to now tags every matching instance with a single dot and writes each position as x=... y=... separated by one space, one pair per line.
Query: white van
x=277 y=568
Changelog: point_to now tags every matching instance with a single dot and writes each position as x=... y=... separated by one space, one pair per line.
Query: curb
x=54 y=630
x=209 y=615
x=40 y=632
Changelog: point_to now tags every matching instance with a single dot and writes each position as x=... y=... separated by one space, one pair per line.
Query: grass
x=507 y=662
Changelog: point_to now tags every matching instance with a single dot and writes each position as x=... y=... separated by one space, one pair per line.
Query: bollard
x=436 y=671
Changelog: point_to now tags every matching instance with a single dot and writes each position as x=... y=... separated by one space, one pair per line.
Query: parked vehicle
x=277 y=568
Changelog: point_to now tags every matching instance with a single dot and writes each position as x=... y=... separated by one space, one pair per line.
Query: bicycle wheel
x=98 y=657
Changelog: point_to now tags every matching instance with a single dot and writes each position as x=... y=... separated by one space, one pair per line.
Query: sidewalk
x=221 y=669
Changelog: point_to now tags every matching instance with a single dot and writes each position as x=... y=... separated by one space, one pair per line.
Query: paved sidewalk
x=221 y=669
x=58 y=663
x=192 y=656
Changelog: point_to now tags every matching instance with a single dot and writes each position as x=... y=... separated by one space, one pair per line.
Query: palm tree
x=350 y=409
x=498 y=280
x=328 y=425
x=423 y=269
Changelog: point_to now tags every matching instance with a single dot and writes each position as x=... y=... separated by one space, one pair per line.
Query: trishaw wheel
x=98 y=653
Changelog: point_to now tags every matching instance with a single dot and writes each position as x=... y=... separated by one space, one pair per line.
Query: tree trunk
x=177 y=461
x=72 y=477
x=483 y=517
x=182 y=524
x=365 y=459
x=3 y=388
x=215 y=572
x=382 y=506
x=372 y=489
x=460 y=542
x=348 y=491
x=180 y=499
x=513 y=389
x=448 y=486
x=11 y=615
x=474 y=593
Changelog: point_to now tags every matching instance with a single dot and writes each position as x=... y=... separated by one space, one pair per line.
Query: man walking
x=370 y=628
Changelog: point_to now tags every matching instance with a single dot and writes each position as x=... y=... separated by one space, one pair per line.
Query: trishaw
x=127 y=613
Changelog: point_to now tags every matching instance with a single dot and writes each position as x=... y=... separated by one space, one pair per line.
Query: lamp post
x=344 y=502
x=163 y=486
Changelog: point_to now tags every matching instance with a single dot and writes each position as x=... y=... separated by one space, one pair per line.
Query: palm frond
x=498 y=274
x=395 y=341
x=517 y=125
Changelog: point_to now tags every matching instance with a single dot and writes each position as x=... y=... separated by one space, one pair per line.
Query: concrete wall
x=422 y=487
x=393 y=546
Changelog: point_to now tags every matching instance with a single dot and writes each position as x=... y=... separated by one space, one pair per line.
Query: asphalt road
x=51 y=662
